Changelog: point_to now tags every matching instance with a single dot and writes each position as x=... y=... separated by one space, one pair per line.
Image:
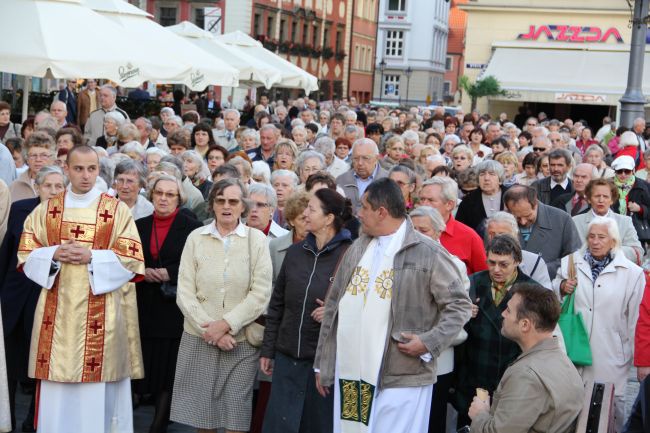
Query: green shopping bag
x=574 y=333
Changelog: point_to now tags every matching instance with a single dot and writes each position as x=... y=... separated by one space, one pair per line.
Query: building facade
x=315 y=35
x=362 y=49
x=567 y=58
x=411 y=51
x=455 y=61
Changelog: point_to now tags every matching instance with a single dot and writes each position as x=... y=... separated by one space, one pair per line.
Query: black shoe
x=28 y=426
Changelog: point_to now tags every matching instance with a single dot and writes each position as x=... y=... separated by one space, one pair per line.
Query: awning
x=562 y=75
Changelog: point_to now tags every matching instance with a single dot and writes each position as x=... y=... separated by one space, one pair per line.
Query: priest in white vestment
x=83 y=248
x=396 y=302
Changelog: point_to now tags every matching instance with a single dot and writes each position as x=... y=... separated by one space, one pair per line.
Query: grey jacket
x=95 y=124
x=540 y=392
x=348 y=182
x=554 y=235
x=278 y=248
x=429 y=299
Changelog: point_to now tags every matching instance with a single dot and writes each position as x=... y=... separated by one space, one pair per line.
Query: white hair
x=133 y=147
x=612 y=230
x=261 y=170
x=505 y=218
x=282 y=173
x=411 y=135
x=433 y=214
x=267 y=191
x=448 y=187
x=360 y=141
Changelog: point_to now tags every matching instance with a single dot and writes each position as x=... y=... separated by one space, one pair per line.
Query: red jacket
x=642 y=334
x=631 y=151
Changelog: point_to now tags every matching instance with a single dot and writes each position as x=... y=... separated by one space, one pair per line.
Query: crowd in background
x=510 y=200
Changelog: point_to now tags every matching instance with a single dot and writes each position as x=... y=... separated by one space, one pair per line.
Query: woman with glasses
x=406 y=179
x=224 y=285
x=39 y=152
x=163 y=236
x=633 y=196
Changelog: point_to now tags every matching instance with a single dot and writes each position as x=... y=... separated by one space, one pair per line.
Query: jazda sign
x=576 y=34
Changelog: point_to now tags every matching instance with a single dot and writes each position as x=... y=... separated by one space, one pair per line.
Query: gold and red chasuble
x=78 y=336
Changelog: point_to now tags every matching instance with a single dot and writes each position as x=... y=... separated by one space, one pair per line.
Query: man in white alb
x=83 y=248
x=396 y=302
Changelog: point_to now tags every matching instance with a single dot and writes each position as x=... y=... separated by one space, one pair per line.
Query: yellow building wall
x=490 y=21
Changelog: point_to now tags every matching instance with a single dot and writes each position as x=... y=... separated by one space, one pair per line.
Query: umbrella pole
x=26 y=87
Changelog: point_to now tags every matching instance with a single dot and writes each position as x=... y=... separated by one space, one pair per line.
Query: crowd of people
x=309 y=267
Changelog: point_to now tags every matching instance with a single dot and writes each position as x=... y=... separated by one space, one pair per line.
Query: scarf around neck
x=596 y=265
x=623 y=188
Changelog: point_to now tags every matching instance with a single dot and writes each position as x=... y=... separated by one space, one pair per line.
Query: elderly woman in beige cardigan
x=224 y=285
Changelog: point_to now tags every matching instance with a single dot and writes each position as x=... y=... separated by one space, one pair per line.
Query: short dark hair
x=220 y=186
x=520 y=192
x=529 y=159
x=537 y=304
x=441 y=169
x=216 y=147
x=386 y=193
x=561 y=154
x=228 y=170
x=374 y=128
x=178 y=138
x=602 y=182
x=320 y=177
x=190 y=117
x=207 y=129
x=505 y=245
x=77 y=138
x=331 y=202
x=312 y=127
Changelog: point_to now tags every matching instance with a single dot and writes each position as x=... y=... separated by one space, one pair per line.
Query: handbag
x=167 y=288
x=574 y=331
x=254 y=332
x=641 y=226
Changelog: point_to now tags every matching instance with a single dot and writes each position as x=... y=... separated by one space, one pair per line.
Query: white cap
x=623 y=162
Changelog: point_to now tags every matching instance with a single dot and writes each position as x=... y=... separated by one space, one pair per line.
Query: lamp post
x=633 y=100
x=382 y=66
x=408 y=73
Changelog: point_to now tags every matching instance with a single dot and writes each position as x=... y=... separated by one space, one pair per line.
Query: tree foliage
x=486 y=86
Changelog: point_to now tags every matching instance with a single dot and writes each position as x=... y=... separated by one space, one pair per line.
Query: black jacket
x=639 y=420
x=543 y=188
x=18 y=293
x=304 y=277
x=160 y=317
x=471 y=211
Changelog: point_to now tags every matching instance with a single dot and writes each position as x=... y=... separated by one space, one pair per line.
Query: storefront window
x=391 y=86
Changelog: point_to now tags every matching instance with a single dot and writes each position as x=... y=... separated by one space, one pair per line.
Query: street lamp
x=382 y=67
x=408 y=73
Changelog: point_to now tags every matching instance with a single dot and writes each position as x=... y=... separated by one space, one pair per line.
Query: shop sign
x=475 y=65
x=575 y=34
x=579 y=97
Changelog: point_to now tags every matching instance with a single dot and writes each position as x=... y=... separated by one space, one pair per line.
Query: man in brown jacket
x=396 y=302
x=541 y=391
x=87 y=102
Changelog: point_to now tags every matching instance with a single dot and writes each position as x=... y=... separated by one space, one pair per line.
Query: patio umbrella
x=200 y=69
x=252 y=71
x=292 y=75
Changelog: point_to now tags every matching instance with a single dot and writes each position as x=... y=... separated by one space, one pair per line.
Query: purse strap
x=336 y=269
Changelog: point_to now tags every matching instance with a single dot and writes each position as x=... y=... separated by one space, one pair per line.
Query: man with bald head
x=365 y=169
x=576 y=203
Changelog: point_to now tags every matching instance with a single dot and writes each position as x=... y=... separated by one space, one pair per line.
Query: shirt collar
x=564 y=183
x=211 y=229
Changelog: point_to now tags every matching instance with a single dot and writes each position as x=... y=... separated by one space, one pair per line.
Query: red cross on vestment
x=76 y=232
x=105 y=215
x=54 y=212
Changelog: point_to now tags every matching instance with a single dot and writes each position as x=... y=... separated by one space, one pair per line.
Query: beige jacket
x=214 y=281
x=5 y=205
x=22 y=188
x=540 y=392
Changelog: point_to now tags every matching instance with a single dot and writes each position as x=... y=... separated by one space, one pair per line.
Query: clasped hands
x=216 y=334
x=72 y=253
x=156 y=275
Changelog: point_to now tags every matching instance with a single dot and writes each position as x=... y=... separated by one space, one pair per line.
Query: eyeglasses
x=168 y=195
x=231 y=201
x=259 y=204
x=623 y=171
x=35 y=156
x=539 y=149
x=127 y=182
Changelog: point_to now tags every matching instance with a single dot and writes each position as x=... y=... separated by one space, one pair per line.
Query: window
x=369 y=59
x=199 y=18
x=257 y=22
x=294 y=29
x=357 y=57
x=283 y=30
x=168 y=17
x=270 y=32
x=391 y=85
x=305 y=33
x=326 y=37
x=338 y=41
x=397 y=5
x=446 y=88
x=449 y=65
x=314 y=36
x=394 y=43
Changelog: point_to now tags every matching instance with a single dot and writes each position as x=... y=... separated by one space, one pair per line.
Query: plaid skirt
x=212 y=388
